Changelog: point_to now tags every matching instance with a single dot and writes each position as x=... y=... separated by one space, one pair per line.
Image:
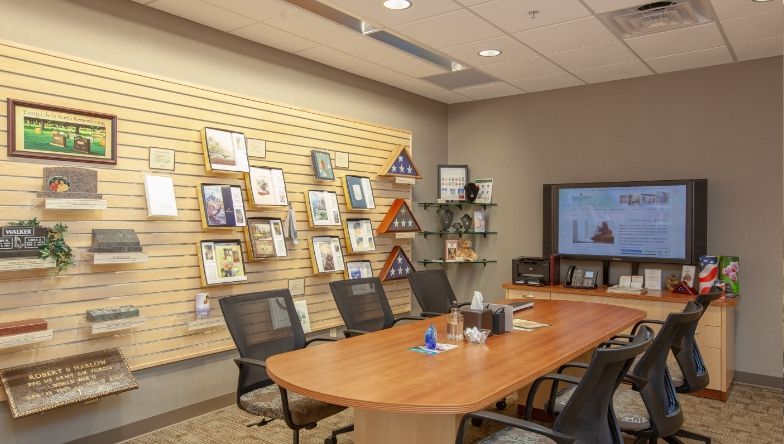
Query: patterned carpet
x=751 y=415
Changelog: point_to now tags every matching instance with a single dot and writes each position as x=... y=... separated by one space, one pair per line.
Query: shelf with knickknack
x=457 y=203
x=458 y=233
x=442 y=261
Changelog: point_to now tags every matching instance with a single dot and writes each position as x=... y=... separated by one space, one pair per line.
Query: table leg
x=374 y=427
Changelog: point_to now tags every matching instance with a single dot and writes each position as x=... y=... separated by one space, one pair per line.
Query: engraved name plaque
x=38 y=387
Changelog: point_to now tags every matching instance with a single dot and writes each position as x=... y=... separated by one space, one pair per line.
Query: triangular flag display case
x=399 y=219
x=398 y=266
x=400 y=164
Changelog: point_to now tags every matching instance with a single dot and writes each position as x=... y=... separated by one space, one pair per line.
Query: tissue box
x=481 y=319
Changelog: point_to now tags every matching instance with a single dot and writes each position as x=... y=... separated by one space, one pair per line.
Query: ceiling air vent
x=461 y=79
x=656 y=17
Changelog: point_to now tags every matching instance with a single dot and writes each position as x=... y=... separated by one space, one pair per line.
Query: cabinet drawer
x=522 y=294
x=708 y=336
x=712 y=315
x=573 y=297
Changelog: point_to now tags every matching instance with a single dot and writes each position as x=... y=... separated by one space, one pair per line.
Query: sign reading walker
x=38 y=387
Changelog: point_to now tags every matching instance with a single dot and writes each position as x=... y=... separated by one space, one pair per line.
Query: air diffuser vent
x=656 y=17
x=461 y=79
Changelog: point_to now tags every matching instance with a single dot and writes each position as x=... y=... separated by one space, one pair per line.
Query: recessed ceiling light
x=397 y=4
x=489 y=52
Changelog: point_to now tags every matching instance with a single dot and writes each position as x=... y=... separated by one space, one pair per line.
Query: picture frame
x=224 y=151
x=358 y=269
x=42 y=131
x=341 y=160
x=221 y=206
x=162 y=159
x=266 y=187
x=451 y=182
x=358 y=191
x=264 y=238
x=221 y=262
x=326 y=256
x=359 y=236
x=323 y=209
x=451 y=247
x=480 y=221
x=322 y=165
x=400 y=163
x=485 y=194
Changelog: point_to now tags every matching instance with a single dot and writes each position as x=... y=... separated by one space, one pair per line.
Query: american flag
x=403 y=166
x=400 y=265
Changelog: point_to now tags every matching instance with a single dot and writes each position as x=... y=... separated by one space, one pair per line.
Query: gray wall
x=132 y=36
x=722 y=123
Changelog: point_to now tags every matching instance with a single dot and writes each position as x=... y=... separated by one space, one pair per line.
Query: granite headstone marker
x=16 y=242
x=70 y=183
x=115 y=241
x=112 y=313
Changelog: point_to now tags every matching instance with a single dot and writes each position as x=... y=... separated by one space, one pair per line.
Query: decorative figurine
x=465 y=253
x=445 y=215
x=431 y=337
x=457 y=226
x=672 y=282
x=471 y=192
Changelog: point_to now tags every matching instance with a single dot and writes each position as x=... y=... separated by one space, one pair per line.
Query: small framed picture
x=480 y=221
x=452 y=180
x=485 y=194
x=224 y=151
x=266 y=187
x=323 y=208
x=341 y=160
x=359 y=193
x=358 y=270
x=326 y=255
x=450 y=250
x=265 y=238
x=221 y=261
x=359 y=236
x=322 y=165
x=221 y=206
x=161 y=159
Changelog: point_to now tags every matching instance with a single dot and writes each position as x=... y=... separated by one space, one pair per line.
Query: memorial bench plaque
x=39 y=387
x=18 y=242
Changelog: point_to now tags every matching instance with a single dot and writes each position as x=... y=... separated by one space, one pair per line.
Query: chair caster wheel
x=501 y=405
x=331 y=440
x=476 y=422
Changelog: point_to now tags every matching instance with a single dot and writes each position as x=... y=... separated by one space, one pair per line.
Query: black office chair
x=587 y=416
x=262 y=325
x=433 y=292
x=650 y=408
x=364 y=307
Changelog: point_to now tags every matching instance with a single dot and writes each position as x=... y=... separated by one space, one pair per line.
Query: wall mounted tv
x=655 y=221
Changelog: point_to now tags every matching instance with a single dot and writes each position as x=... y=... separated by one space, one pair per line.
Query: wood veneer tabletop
x=376 y=371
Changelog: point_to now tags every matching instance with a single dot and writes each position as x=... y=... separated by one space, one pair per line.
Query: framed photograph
x=57 y=133
x=257 y=148
x=358 y=270
x=265 y=238
x=450 y=250
x=480 y=221
x=451 y=182
x=161 y=159
x=485 y=194
x=326 y=255
x=221 y=261
x=224 y=151
x=358 y=192
x=341 y=160
x=322 y=165
x=323 y=208
x=221 y=206
x=359 y=236
x=266 y=187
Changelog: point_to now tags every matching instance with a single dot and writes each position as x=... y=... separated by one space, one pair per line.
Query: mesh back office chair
x=363 y=305
x=433 y=292
x=262 y=325
x=587 y=416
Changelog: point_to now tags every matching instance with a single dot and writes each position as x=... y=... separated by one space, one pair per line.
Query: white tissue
x=477 y=303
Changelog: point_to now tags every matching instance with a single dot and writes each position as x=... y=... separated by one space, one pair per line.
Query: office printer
x=531 y=271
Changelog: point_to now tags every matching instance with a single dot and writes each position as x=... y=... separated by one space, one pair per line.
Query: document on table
x=440 y=348
x=526 y=325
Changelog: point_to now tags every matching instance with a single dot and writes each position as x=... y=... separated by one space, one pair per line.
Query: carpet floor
x=751 y=415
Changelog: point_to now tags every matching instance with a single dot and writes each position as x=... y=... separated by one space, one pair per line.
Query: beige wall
x=722 y=123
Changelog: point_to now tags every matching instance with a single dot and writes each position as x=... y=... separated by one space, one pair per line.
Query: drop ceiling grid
x=597 y=55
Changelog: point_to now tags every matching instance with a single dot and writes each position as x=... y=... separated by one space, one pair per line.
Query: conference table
x=402 y=396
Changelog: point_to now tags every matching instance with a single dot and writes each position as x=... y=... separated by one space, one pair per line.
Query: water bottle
x=431 y=337
x=454 y=324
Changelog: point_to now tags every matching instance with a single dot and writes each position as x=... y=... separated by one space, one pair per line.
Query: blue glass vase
x=431 y=337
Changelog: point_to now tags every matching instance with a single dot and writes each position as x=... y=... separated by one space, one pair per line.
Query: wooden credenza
x=715 y=331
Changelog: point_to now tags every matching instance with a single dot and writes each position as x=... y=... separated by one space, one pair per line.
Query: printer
x=531 y=271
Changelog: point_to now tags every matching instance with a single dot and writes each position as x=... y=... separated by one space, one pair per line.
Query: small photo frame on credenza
x=224 y=151
x=359 y=236
x=221 y=206
x=221 y=262
x=266 y=187
x=322 y=207
x=359 y=193
x=326 y=255
x=358 y=269
x=265 y=239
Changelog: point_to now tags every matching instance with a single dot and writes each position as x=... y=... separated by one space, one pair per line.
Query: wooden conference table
x=401 y=396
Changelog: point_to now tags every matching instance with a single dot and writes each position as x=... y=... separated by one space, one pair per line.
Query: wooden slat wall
x=165 y=113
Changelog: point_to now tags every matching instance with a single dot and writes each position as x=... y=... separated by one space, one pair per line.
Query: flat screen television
x=653 y=221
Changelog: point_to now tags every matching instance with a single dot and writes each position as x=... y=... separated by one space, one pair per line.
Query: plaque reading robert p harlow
x=38 y=387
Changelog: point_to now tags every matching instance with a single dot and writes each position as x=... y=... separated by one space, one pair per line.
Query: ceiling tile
x=414 y=67
x=204 y=13
x=523 y=69
x=332 y=57
x=311 y=26
x=429 y=90
x=605 y=54
x=450 y=29
x=613 y=72
x=368 y=49
x=688 y=39
x=563 y=80
x=691 y=60
x=490 y=91
x=472 y=2
x=380 y=73
x=374 y=11
x=574 y=34
x=753 y=27
x=601 y=6
x=267 y=35
x=256 y=9
x=512 y=15
x=758 y=49
x=510 y=48
x=727 y=9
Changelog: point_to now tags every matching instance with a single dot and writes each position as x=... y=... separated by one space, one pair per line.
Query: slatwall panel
x=169 y=114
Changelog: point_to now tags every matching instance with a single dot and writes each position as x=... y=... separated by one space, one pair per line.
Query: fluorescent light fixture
x=489 y=52
x=397 y=4
x=760 y=1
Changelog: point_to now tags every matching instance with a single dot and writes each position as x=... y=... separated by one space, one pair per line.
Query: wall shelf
x=23 y=339
x=206 y=323
x=116 y=325
x=55 y=203
x=26 y=263
x=457 y=204
x=441 y=261
x=458 y=233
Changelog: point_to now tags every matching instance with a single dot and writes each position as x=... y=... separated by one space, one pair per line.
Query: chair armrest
x=573 y=364
x=646 y=321
x=629 y=337
x=430 y=314
x=556 y=378
x=407 y=318
x=349 y=333
x=559 y=438
x=310 y=341
x=463 y=304
x=250 y=361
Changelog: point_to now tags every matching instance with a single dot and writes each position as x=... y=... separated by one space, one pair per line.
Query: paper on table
x=440 y=348
x=625 y=282
x=636 y=282
x=526 y=325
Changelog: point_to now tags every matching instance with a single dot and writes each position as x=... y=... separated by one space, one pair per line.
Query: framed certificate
x=452 y=180
x=161 y=159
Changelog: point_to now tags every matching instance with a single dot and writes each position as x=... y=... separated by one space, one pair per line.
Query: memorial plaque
x=39 y=387
x=115 y=241
x=25 y=326
x=112 y=313
x=22 y=241
x=70 y=183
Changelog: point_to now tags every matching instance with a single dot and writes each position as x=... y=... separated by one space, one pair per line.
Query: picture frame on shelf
x=221 y=262
x=451 y=247
x=326 y=256
x=323 y=210
x=224 y=151
x=221 y=206
x=358 y=269
x=480 y=221
x=264 y=236
x=485 y=195
x=400 y=163
x=452 y=180
x=266 y=187
x=41 y=131
x=322 y=165
x=359 y=193
x=359 y=236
